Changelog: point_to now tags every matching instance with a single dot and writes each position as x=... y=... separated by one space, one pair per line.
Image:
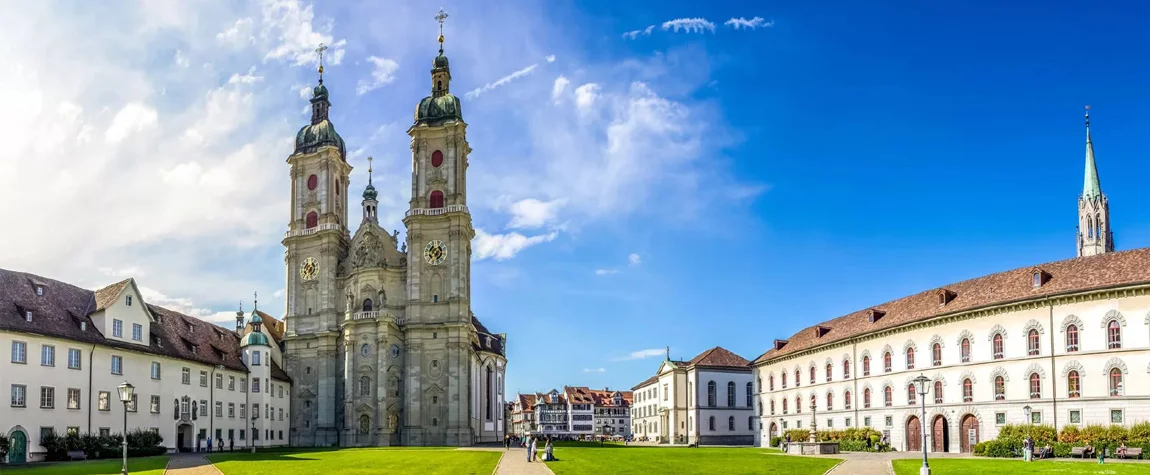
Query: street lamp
x=1026 y=413
x=920 y=385
x=126 y=391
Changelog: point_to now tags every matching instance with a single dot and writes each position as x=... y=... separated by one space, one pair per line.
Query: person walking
x=506 y=441
x=527 y=445
x=231 y=444
x=209 y=444
x=533 y=449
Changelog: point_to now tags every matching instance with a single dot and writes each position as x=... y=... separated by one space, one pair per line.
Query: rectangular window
x=999 y=418
x=1036 y=417
x=255 y=385
x=137 y=332
x=241 y=434
x=155 y=370
x=255 y=358
x=47 y=397
x=186 y=375
x=45 y=433
x=830 y=423
x=231 y=409
x=281 y=414
x=74 y=358
x=117 y=328
x=104 y=401
x=128 y=300
x=203 y=379
x=117 y=365
x=19 y=395
x=847 y=423
x=255 y=411
x=219 y=409
x=74 y=430
x=1075 y=417
x=219 y=381
x=1116 y=416
x=155 y=404
x=243 y=385
x=243 y=412
x=889 y=422
x=866 y=421
x=105 y=432
x=132 y=404
x=73 y=398
x=19 y=352
x=47 y=355
x=231 y=434
x=203 y=408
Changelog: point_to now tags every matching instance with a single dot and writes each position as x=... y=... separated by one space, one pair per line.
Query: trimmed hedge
x=141 y=443
x=1102 y=438
x=850 y=440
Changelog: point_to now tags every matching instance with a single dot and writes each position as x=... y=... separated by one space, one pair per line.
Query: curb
x=832 y=469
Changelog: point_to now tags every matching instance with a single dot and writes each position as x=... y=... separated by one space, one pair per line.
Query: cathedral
x=381 y=343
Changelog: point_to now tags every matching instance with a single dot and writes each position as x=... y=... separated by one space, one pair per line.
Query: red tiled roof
x=106 y=296
x=719 y=357
x=1115 y=269
x=578 y=395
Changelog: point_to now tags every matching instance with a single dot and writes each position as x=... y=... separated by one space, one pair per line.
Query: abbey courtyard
x=373 y=359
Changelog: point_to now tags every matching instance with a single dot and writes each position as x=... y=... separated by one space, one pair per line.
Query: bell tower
x=316 y=240
x=1094 y=235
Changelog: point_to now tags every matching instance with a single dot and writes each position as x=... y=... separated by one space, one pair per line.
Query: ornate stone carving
x=368 y=253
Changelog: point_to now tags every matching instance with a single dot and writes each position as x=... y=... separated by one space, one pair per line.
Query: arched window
x=967 y=390
x=829 y=368
x=1113 y=335
x=784 y=405
x=750 y=397
x=1035 y=386
x=938 y=392
x=1071 y=338
x=731 y=394
x=886 y=362
x=771 y=381
x=712 y=398
x=1089 y=227
x=910 y=358
x=866 y=398
x=364 y=386
x=1116 y=382
x=367 y=305
x=812 y=375
x=911 y=395
x=490 y=402
x=997 y=346
x=711 y=423
x=1032 y=342
x=999 y=388
x=965 y=350
x=436 y=199
x=887 y=396
x=830 y=401
x=798 y=378
x=866 y=365
x=936 y=354
x=436 y=158
x=846 y=369
x=784 y=381
x=1073 y=385
x=798 y=405
x=773 y=406
x=847 y=399
x=731 y=423
x=312 y=220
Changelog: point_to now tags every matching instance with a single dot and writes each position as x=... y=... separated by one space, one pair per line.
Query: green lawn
x=620 y=460
x=136 y=466
x=1013 y=467
x=422 y=461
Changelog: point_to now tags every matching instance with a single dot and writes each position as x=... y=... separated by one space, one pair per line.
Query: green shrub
x=775 y=441
x=3 y=446
x=1002 y=448
x=853 y=446
x=980 y=449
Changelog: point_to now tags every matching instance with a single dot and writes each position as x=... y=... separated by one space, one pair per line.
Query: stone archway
x=969 y=433
x=913 y=434
x=185 y=438
x=17 y=446
x=940 y=434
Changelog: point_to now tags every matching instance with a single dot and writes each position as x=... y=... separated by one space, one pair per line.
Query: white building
x=707 y=400
x=576 y=412
x=70 y=348
x=1068 y=340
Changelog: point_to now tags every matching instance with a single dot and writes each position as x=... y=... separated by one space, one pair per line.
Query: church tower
x=439 y=234
x=316 y=241
x=1094 y=235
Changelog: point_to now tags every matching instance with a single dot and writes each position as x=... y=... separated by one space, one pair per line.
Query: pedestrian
x=209 y=444
x=533 y=449
x=787 y=443
x=527 y=445
x=231 y=444
x=506 y=441
x=548 y=453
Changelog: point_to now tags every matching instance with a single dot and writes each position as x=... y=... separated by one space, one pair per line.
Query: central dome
x=433 y=110
x=311 y=137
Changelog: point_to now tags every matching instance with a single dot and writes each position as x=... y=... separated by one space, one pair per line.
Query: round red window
x=436 y=158
x=312 y=182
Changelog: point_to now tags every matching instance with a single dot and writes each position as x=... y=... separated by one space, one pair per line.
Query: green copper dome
x=320 y=91
x=255 y=338
x=433 y=110
x=440 y=61
x=321 y=132
x=369 y=192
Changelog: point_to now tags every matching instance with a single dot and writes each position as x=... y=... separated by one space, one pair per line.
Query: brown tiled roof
x=1116 y=269
x=106 y=296
x=719 y=357
x=279 y=374
x=63 y=307
x=645 y=382
x=578 y=395
x=527 y=401
x=606 y=397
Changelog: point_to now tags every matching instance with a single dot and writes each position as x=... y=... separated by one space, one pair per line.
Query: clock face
x=395 y=351
x=435 y=252
x=308 y=269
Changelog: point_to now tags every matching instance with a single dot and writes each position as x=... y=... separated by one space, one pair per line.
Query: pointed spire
x=256 y=319
x=319 y=51
x=319 y=97
x=442 y=15
x=1091 y=188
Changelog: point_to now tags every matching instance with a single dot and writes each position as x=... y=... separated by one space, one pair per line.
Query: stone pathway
x=190 y=464
x=514 y=462
x=862 y=467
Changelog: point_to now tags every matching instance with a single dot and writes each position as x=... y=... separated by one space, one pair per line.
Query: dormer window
x=1038 y=277
x=28 y=315
x=40 y=290
x=779 y=344
x=873 y=315
x=820 y=331
x=945 y=296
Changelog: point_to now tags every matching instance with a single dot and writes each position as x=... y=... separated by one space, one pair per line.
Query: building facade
x=70 y=348
x=576 y=412
x=1062 y=343
x=381 y=340
x=708 y=400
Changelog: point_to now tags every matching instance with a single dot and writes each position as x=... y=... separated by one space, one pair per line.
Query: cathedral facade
x=381 y=339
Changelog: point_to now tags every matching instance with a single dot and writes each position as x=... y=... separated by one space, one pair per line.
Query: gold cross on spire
x=369 y=159
x=442 y=15
x=319 y=51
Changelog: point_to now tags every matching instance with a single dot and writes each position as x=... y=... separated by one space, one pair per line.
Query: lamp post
x=920 y=385
x=126 y=390
x=1026 y=412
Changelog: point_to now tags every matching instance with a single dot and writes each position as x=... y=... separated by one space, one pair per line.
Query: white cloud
x=382 y=72
x=290 y=27
x=134 y=117
x=753 y=23
x=635 y=33
x=550 y=58
x=239 y=34
x=643 y=354
x=180 y=60
x=594 y=370
x=585 y=96
x=689 y=25
x=634 y=259
x=501 y=81
x=558 y=88
x=606 y=271
x=505 y=246
x=249 y=78
x=531 y=213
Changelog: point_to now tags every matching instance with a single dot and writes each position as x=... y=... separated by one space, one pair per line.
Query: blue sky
x=691 y=187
